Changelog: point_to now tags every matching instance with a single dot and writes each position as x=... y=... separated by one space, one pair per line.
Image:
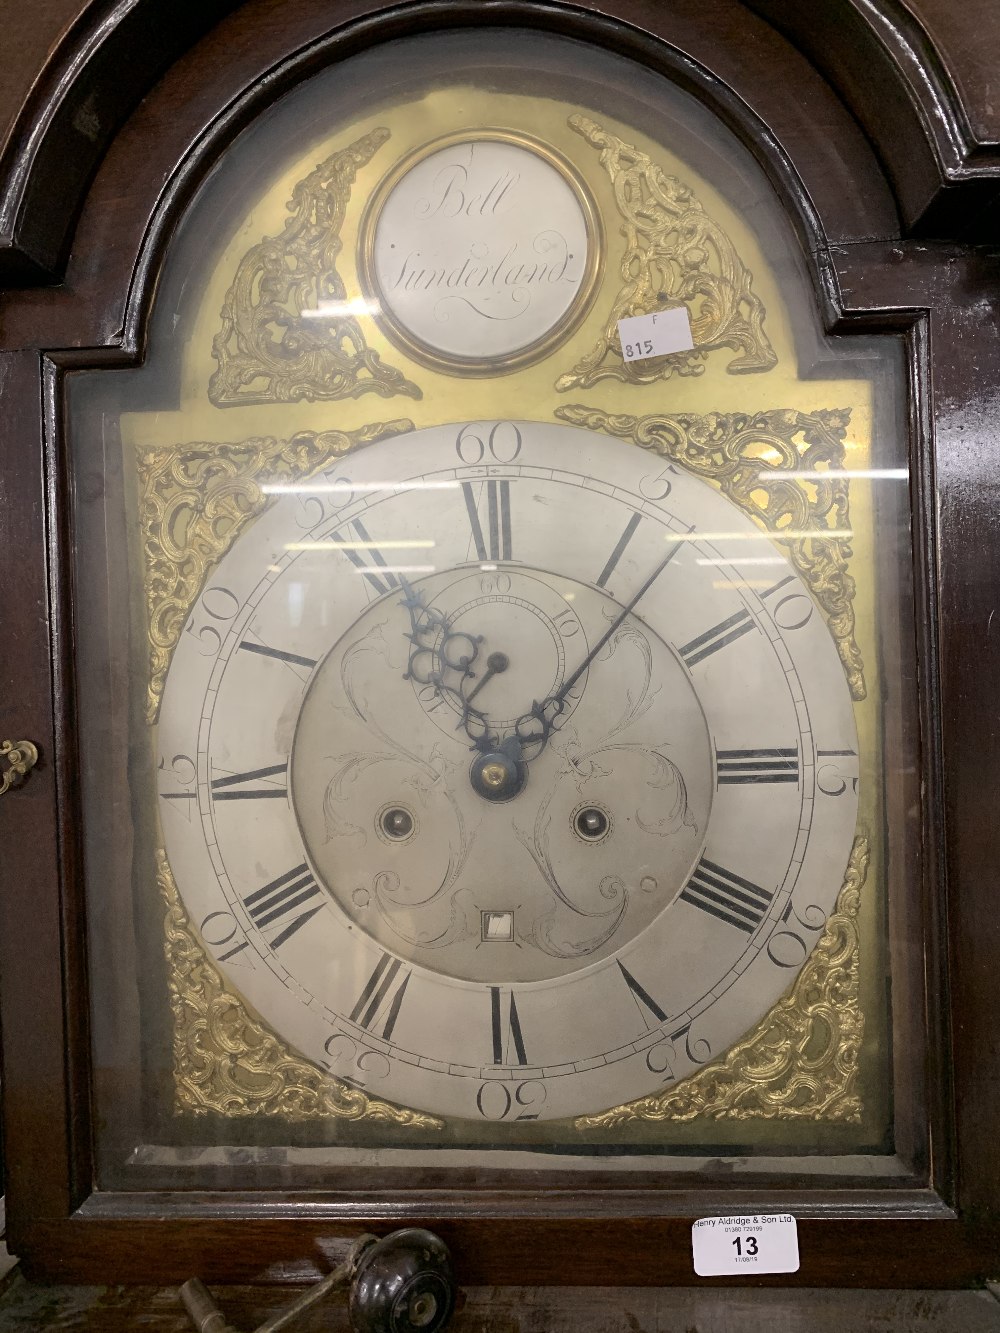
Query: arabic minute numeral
x=660 y=1060
x=218 y=604
x=834 y=775
x=182 y=772
x=311 y=510
x=502 y=443
x=220 y=929
x=788 y=947
x=494 y=1100
x=697 y=1049
x=658 y=486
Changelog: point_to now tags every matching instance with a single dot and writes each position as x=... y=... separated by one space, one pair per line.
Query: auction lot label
x=763 y=1243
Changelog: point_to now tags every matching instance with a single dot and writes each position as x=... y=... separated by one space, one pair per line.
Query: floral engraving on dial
x=740 y=452
x=595 y=770
x=427 y=783
x=674 y=253
x=196 y=499
x=227 y=1062
x=801 y=1061
x=369 y=735
x=288 y=332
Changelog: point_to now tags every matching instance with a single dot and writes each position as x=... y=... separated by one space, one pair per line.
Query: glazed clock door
x=500 y=681
x=505 y=696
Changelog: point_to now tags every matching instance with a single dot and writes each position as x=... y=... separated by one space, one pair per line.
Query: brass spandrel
x=228 y=1062
x=195 y=500
x=675 y=254
x=752 y=458
x=288 y=330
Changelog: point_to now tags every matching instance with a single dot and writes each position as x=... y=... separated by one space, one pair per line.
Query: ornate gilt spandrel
x=195 y=499
x=675 y=254
x=227 y=1062
x=752 y=458
x=288 y=332
x=801 y=1060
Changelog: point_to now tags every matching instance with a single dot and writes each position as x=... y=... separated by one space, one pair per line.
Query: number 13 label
x=764 y=1243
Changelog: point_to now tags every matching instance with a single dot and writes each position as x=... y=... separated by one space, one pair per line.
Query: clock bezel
x=559 y=331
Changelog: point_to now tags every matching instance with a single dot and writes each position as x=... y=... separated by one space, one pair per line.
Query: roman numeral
x=753 y=766
x=495 y=544
x=644 y=1002
x=243 y=788
x=280 y=900
x=506 y=1035
x=726 y=896
x=382 y=997
x=619 y=550
x=380 y=582
x=293 y=659
x=717 y=637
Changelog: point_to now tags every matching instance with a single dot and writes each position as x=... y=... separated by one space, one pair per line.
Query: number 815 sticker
x=657 y=334
x=764 y=1243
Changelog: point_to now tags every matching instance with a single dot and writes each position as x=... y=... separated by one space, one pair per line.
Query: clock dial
x=493 y=726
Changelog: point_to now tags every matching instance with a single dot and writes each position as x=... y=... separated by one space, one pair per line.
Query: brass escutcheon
x=21 y=757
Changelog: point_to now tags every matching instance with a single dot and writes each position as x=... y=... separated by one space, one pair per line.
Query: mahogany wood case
x=875 y=126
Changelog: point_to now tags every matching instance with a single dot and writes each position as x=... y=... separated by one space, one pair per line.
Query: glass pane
x=497 y=718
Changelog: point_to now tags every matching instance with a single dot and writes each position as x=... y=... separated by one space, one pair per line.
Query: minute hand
x=568 y=684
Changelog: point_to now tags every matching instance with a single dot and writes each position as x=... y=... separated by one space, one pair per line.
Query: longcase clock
x=495 y=613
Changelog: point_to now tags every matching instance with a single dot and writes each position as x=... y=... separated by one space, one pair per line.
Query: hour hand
x=474 y=720
x=496 y=663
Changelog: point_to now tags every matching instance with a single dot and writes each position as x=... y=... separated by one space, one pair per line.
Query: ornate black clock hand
x=546 y=712
x=483 y=740
x=495 y=664
x=455 y=652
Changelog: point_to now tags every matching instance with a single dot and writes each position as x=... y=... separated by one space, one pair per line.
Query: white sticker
x=765 y=1243
x=657 y=334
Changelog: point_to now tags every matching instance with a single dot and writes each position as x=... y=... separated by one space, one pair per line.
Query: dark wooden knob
x=403 y=1284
